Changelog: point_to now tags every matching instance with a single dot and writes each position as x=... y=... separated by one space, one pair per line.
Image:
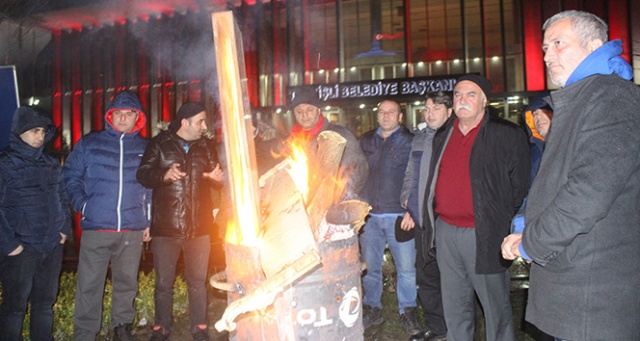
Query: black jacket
x=387 y=159
x=34 y=209
x=182 y=209
x=499 y=167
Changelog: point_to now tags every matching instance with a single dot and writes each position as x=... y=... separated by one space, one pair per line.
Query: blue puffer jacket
x=100 y=174
x=34 y=209
x=387 y=161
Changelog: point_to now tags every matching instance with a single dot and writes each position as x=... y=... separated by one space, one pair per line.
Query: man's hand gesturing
x=174 y=174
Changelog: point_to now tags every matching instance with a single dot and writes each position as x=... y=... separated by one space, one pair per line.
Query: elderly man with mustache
x=479 y=175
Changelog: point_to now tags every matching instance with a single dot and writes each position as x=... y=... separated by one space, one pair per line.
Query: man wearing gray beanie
x=181 y=166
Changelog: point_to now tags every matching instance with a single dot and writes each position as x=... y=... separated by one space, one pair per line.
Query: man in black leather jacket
x=182 y=167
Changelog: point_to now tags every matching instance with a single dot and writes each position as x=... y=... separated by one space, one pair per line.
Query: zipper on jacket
x=120 y=182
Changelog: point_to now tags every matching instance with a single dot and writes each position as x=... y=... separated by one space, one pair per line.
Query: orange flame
x=235 y=113
x=299 y=169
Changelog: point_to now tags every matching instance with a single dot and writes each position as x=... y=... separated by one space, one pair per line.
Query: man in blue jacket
x=34 y=223
x=100 y=176
x=387 y=151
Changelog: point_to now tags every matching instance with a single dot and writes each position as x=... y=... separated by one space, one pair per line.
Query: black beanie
x=479 y=80
x=186 y=111
x=306 y=95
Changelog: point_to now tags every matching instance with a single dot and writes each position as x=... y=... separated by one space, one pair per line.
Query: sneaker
x=122 y=332
x=371 y=316
x=201 y=334
x=159 y=334
x=409 y=321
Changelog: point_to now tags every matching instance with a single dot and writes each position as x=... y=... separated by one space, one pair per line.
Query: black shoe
x=371 y=316
x=200 y=334
x=122 y=332
x=428 y=336
x=409 y=321
x=159 y=335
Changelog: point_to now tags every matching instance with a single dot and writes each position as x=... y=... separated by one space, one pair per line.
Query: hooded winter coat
x=182 y=209
x=34 y=209
x=100 y=174
x=582 y=219
x=536 y=141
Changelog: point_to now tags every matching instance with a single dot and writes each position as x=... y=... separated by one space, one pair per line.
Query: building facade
x=353 y=52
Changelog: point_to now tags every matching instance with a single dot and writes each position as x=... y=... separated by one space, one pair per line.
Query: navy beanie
x=479 y=80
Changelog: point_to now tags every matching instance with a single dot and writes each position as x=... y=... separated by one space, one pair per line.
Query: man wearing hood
x=582 y=214
x=310 y=123
x=34 y=223
x=100 y=176
x=537 y=118
x=181 y=166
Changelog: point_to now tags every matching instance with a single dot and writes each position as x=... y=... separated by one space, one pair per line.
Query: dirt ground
x=390 y=330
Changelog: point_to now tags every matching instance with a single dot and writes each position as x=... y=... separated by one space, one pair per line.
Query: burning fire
x=235 y=112
x=299 y=170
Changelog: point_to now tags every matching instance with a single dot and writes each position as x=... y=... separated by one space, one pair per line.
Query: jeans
x=378 y=232
x=29 y=276
x=98 y=249
x=196 y=263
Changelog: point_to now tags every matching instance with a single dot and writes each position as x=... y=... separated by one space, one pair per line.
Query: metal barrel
x=326 y=304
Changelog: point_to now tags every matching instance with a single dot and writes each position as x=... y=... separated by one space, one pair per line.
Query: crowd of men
x=455 y=202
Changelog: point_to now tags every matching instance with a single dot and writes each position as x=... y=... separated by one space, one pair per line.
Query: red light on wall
x=534 y=62
x=56 y=70
x=619 y=25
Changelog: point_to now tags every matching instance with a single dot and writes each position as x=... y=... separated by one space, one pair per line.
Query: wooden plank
x=287 y=233
x=236 y=117
x=323 y=186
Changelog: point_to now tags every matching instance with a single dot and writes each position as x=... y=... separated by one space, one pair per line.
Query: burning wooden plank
x=330 y=149
x=271 y=254
x=238 y=142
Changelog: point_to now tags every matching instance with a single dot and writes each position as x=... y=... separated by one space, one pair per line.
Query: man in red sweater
x=478 y=178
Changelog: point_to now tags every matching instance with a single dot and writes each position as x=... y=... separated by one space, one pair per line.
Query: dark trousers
x=29 y=276
x=98 y=249
x=196 y=262
x=428 y=283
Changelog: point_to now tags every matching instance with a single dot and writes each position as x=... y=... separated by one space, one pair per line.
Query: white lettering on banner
x=309 y=316
x=383 y=88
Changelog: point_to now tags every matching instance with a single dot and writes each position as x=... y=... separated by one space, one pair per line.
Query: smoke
x=176 y=42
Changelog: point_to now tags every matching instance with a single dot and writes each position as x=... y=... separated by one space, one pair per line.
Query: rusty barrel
x=326 y=304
